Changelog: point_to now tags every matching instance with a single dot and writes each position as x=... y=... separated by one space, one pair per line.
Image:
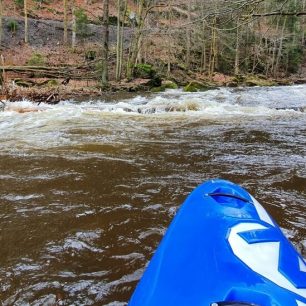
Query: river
x=88 y=189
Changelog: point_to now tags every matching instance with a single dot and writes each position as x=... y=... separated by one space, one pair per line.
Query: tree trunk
x=237 y=49
x=169 y=39
x=73 y=32
x=1 y=30
x=274 y=47
x=2 y=76
x=118 y=40
x=257 y=47
x=188 y=37
x=279 y=54
x=134 y=48
x=303 y=23
x=203 y=56
x=105 y=41
x=26 y=34
x=121 y=37
x=120 y=32
x=213 y=49
x=65 y=22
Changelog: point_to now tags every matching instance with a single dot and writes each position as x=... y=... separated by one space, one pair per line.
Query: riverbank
x=46 y=70
x=54 y=90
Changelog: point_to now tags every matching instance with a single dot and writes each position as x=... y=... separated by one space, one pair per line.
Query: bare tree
x=65 y=21
x=105 y=42
x=237 y=48
x=1 y=25
x=73 y=27
x=1 y=30
x=26 y=34
x=118 y=40
x=188 y=37
x=137 y=37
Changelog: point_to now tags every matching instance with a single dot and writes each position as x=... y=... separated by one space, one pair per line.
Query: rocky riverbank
x=52 y=91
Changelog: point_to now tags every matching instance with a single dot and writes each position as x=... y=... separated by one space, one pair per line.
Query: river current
x=88 y=189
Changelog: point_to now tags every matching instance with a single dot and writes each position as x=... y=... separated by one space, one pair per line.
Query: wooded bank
x=180 y=41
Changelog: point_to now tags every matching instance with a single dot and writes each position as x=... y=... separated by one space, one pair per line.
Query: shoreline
x=52 y=92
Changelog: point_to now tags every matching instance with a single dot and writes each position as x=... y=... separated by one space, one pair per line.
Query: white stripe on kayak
x=262 y=258
x=302 y=265
x=263 y=215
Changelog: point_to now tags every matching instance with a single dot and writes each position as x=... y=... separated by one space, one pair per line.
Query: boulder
x=195 y=86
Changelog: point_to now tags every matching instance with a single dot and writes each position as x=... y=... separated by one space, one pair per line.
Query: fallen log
x=76 y=73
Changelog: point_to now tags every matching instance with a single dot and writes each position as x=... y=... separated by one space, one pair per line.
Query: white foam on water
x=27 y=126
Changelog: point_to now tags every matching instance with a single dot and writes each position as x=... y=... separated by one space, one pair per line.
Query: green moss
x=144 y=71
x=195 y=86
x=36 y=59
x=257 y=81
x=82 y=22
x=190 y=88
x=169 y=85
x=295 y=57
x=12 y=26
x=90 y=55
x=52 y=83
x=158 y=89
x=19 y=3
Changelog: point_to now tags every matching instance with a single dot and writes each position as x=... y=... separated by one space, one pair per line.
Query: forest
x=108 y=44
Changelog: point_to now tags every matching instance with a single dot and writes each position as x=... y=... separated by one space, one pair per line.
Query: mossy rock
x=286 y=82
x=36 y=59
x=52 y=83
x=158 y=89
x=256 y=81
x=167 y=84
x=197 y=86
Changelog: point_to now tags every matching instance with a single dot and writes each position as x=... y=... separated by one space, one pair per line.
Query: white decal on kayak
x=299 y=303
x=263 y=215
x=261 y=257
x=302 y=265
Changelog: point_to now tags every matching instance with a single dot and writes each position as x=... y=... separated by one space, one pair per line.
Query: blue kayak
x=223 y=248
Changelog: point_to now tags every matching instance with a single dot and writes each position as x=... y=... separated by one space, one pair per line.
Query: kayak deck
x=223 y=247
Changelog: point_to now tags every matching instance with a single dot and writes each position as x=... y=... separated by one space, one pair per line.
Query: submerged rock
x=2 y=106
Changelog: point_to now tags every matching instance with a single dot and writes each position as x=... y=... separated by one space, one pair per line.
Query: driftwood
x=48 y=95
x=85 y=72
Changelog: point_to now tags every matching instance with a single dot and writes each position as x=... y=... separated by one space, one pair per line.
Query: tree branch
x=296 y=14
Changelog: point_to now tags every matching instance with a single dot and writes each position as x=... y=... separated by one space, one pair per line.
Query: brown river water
x=87 y=190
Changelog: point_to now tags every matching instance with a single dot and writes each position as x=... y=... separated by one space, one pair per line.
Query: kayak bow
x=223 y=248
